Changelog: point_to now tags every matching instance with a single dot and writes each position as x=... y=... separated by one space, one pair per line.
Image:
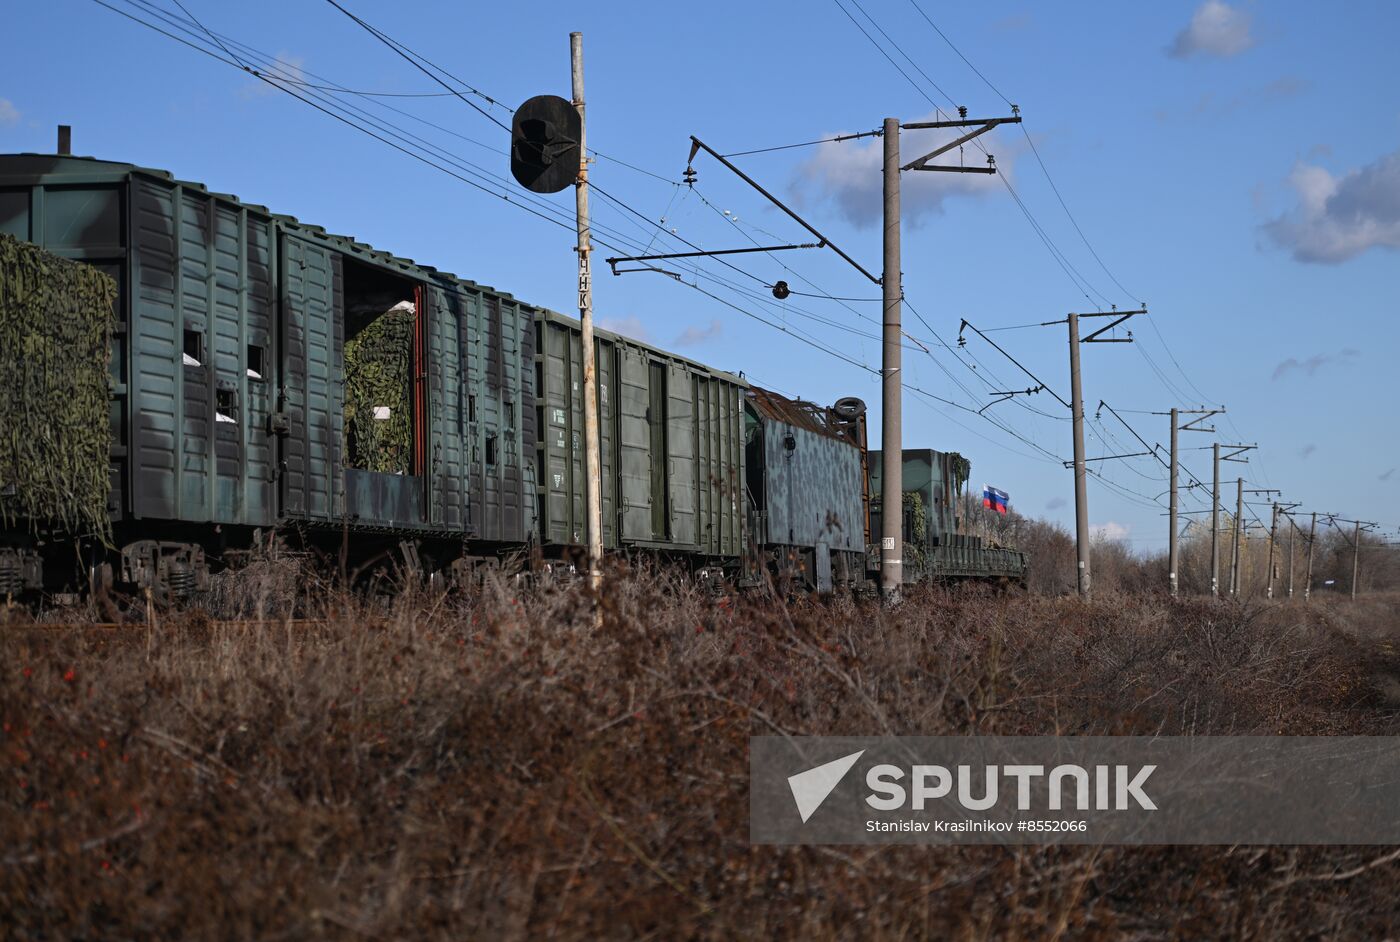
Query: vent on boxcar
x=194 y=348
x=226 y=405
x=256 y=357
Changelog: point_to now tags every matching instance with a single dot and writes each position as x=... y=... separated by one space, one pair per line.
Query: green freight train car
x=670 y=434
x=264 y=374
x=228 y=378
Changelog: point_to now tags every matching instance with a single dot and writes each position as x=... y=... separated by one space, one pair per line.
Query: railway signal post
x=549 y=154
x=593 y=462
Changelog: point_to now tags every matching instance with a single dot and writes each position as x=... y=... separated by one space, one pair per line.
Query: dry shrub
x=493 y=766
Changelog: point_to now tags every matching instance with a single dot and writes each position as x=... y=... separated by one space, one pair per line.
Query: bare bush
x=493 y=765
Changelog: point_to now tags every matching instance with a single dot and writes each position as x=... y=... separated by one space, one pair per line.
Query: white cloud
x=696 y=335
x=1338 y=218
x=1216 y=29
x=9 y=114
x=848 y=174
x=1110 y=531
x=631 y=327
x=288 y=68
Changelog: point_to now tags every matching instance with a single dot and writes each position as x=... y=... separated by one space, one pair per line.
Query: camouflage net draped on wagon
x=917 y=515
x=378 y=414
x=55 y=331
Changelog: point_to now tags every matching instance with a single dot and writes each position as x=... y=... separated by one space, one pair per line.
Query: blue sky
x=1235 y=166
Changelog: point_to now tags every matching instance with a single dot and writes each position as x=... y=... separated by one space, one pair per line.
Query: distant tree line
x=1118 y=567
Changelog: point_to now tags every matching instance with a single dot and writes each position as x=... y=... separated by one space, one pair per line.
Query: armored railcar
x=934 y=549
x=806 y=475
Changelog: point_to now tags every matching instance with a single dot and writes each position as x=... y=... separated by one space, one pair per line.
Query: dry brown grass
x=491 y=766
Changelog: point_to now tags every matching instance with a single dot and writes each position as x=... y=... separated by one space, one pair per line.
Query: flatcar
x=266 y=375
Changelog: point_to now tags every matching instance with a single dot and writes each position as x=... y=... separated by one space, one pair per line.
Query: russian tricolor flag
x=994 y=499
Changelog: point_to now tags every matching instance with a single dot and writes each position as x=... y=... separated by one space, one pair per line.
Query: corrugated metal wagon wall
x=312 y=381
x=500 y=417
x=719 y=465
x=202 y=341
x=671 y=442
x=559 y=408
x=193 y=352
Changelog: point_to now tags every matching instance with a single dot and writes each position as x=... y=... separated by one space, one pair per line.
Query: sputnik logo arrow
x=810 y=788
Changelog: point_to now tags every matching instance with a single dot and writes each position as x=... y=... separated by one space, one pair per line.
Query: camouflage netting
x=55 y=330
x=377 y=378
x=917 y=514
x=961 y=468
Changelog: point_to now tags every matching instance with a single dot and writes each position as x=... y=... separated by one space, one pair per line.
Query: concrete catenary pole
x=1292 y=531
x=1355 y=557
x=1273 y=538
x=892 y=383
x=1239 y=520
x=592 y=455
x=1081 y=474
x=1312 y=539
x=1215 y=525
x=1173 y=553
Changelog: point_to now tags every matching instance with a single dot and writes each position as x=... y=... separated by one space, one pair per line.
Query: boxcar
x=671 y=442
x=227 y=372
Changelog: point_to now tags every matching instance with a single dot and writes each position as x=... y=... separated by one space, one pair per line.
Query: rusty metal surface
x=798 y=413
x=812 y=478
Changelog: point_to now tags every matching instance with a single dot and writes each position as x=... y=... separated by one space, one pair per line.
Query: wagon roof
x=573 y=322
x=798 y=413
x=53 y=169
